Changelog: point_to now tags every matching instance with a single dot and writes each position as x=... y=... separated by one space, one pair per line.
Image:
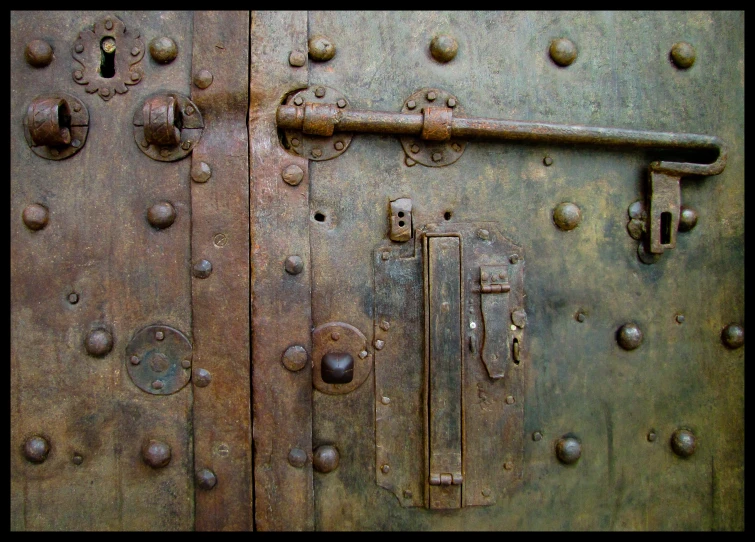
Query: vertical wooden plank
x=220 y=302
x=281 y=302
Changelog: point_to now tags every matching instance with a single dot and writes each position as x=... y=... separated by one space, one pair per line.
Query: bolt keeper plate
x=158 y=359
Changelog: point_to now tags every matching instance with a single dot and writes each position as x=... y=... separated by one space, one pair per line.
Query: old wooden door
x=397 y=271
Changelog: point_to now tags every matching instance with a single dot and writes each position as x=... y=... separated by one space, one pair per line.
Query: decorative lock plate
x=167 y=127
x=56 y=125
x=158 y=359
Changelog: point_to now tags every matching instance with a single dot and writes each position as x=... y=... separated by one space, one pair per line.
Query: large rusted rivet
x=201 y=172
x=563 y=51
x=156 y=454
x=568 y=450
x=202 y=269
x=733 y=336
x=98 y=342
x=326 y=458
x=297 y=457
x=443 y=48
x=294 y=265
x=682 y=55
x=206 y=479
x=163 y=50
x=203 y=79
x=683 y=442
x=321 y=48
x=161 y=215
x=38 y=53
x=567 y=216
x=294 y=358
x=35 y=216
x=687 y=218
x=629 y=336
x=36 y=449
x=292 y=174
x=202 y=378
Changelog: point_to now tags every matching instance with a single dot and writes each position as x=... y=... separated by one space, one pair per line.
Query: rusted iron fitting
x=49 y=122
x=161 y=120
x=436 y=123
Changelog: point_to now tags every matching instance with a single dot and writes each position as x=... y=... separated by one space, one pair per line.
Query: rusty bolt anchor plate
x=432 y=153
x=344 y=339
x=46 y=122
x=155 y=364
x=186 y=117
x=315 y=147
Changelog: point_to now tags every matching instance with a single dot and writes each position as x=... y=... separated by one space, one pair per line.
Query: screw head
x=687 y=219
x=537 y=436
x=443 y=48
x=338 y=145
x=682 y=55
x=411 y=104
x=321 y=48
x=294 y=358
x=568 y=450
x=297 y=457
x=563 y=51
x=292 y=174
x=38 y=53
x=203 y=79
x=73 y=298
x=341 y=103
x=431 y=96
x=156 y=454
x=297 y=59
x=98 y=342
x=206 y=479
x=567 y=216
x=294 y=265
x=733 y=336
x=36 y=449
x=202 y=269
x=320 y=92
x=451 y=102
x=548 y=161
x=437 y=156
x=35 y=216
x=683 y=442
x=77 y=459
x=326 y=458
x=161 y=215
x=202 y=378
x=201 y=172
x=163 y=50
x=629 y=336
x=298 y=100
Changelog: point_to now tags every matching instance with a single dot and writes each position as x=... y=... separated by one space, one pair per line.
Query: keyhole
x=107 y=64
x=665 y=228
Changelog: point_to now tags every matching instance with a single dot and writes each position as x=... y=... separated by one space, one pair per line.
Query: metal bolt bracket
x=56 y=125
x=159 y=360
x=167 y=127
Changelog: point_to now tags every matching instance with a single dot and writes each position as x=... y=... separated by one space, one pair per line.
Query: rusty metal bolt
x=73 y=298
x=203 y=79
x=385 y=469
x=36 y=449
x=297 y=457
x=201 y=172
x=385 y=400
x=186 y=363
x=317 y=153
x=77 y=459
x=733 y=336
x=652 y=436
x=385 y=325
x=514 y=259
x=687 y=219
x=79 y=48
x=294 y=265
x=335 y=335
x=109 y=24
x=98 y=342
x=483 y=234
x=38 y=53
x=682 y=55
x=163 y=50
x=431 y=96
x=451 y=102
x=680 y=318
x=363 y=354
x=156 y=454
x=414 y=149
x=321 y=48
x=437 y=156
x=683 y=442
x=202 y=269
x=341 y=103
x=580 y=316
x=297 y=59
x=159 y=335
x=567 y=216
x=510 y=400
x=563 y=51
x=508 y=465
x=292 y=175
x=202 y=378
x=161 y=215
x=629 y=336
x=157 y=385
x=338 y=145
x=298 y=100
x=568 y=450
x=206 y=479
x=379 y=344
x=294 y=358
x=537 y=436
x=320 y=92
x=326 y=458
x=35 y=216
x=443 y=48
x=135 y=360
x=411 y=104
x=548 y=161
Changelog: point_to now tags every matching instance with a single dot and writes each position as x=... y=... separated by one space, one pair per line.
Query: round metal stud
x=77 y=459
x=38 y=53
x=294 y=265
x=321 y=48
x=683 y=442
x=629 y=336
x=568 y=450
x=156 y=365
x=567 y=216
x=202 y=378
x=161 y=215
x=202 y=269
x=682 y=55
x=292 y=174
x=203 y=79
x=206 y=479
x=443 y=48
x=36 y=449
x=98 y=342
x=687 y=219
x=35 y=216
x=733 y=336
x=297 y=59
x=563 y=51
x=294 y=358
x=537 y=436
x=201 y=172
x=163 y=50
x=297 y=457
x=645 y=256
x=73 y=298
x=326 y=458
x=156 y=454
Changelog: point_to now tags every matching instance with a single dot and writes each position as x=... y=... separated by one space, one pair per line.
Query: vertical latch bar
x=443 y=347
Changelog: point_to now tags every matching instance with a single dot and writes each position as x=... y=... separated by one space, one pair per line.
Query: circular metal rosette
x=341 y=361
x=158 y=359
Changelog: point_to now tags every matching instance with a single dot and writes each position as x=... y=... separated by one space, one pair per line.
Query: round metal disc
x=311 y=146
x=156 y=359
x=340 y=337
